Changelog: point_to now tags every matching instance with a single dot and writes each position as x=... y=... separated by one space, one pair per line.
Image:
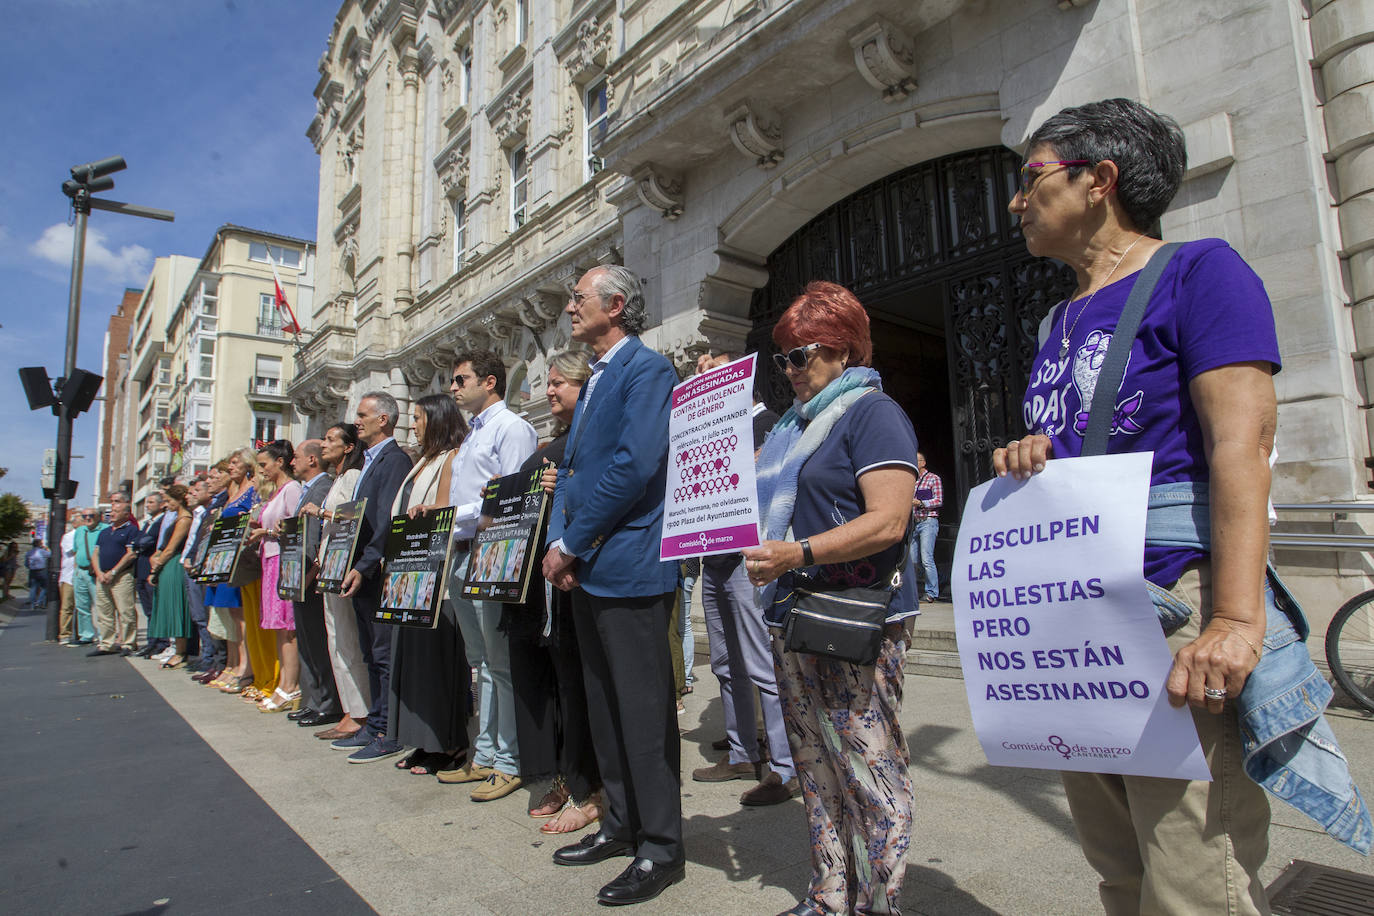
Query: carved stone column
x=405 y=247
x=1343 y=47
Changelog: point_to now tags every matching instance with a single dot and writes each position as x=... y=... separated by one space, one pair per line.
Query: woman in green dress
x=171 y=617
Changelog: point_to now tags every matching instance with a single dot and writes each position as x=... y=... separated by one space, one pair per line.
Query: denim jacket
x=1288 y=745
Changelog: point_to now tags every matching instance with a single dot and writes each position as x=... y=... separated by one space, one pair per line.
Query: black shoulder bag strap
x=1119 y=351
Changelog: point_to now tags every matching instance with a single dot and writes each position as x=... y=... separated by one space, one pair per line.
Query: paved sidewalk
x=987 y=839
x=111 y=804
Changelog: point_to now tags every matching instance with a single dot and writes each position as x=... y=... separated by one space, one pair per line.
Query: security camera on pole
x=75 y=390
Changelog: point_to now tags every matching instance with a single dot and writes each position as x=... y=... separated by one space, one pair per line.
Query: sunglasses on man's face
x=798 y=357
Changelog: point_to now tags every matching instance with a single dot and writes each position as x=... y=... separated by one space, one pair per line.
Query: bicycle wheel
x=1350 y=648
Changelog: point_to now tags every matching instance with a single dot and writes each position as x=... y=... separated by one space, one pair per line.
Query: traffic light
x=93 y=176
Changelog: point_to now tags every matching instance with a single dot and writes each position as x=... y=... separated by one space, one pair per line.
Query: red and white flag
x=288 y=317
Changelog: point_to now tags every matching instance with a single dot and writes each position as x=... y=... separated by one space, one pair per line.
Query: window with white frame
x=594 y=102
x=267 y=375
x=264 y=427
x=519 y=187
x=269 y=318
x=164 y=371
x=207 y=357
x=465 y=76
x=284 y=257
x=522 y=21
x=460 y=231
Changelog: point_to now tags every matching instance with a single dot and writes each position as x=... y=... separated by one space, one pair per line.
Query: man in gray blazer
x=320 y=698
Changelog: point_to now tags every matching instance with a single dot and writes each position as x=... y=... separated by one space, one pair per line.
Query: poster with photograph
x=296 y=540
x=337 y=543
x=224 y=545
x=196 y=561
x=414 y=569
x=506 y=549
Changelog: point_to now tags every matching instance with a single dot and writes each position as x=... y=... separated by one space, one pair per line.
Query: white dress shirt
x=68 y=557
x=498 y=443
x=597 y=366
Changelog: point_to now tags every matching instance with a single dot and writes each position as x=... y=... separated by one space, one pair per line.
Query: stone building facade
x=477 y=155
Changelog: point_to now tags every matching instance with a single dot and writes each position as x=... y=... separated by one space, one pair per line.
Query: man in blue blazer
x=385 y=467
x=604 y=541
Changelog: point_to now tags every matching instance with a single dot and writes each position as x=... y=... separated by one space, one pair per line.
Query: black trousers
x=317 y=671
x=633 y=714
x=550 y=697
x=375 y=640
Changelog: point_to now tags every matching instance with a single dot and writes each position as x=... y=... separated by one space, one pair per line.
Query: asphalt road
x=112 y=804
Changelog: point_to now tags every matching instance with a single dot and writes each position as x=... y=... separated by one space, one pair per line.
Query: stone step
x=933 y=663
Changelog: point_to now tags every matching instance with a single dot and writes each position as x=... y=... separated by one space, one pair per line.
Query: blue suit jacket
x=608 y=506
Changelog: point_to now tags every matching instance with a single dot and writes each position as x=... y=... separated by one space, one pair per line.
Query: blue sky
x=208 y=100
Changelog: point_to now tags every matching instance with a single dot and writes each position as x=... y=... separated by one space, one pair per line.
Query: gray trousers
x=741 y=659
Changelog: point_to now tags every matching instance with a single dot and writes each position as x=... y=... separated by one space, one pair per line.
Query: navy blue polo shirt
x=113 y=543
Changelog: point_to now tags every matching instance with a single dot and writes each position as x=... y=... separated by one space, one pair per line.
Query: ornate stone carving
x=351 y=151
x=374 y=22
x=886 y=58
x=757 y=132
x=453 y=174
x=659 y=189
x=512 y=120
x=540 y=309
x=587 y=58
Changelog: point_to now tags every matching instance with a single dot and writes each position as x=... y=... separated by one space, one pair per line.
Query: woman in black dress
x=429 y=671
x=546 y=666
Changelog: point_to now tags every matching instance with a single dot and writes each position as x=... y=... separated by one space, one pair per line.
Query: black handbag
x=846 y=623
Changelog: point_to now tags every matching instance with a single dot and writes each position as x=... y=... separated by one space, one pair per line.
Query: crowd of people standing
x=574 y=689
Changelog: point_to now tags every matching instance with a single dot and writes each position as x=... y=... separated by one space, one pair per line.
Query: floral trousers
x=851 y=759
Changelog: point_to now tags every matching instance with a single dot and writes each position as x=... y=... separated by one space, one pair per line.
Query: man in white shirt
x=498 y=443
x=66 y=632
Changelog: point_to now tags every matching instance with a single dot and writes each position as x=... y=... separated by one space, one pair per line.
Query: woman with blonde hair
x=240 y=493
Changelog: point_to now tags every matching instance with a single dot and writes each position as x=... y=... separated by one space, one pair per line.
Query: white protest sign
x=712 y=503
x=1063 y=656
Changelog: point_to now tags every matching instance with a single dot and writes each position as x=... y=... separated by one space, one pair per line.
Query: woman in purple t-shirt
x=1198 y=392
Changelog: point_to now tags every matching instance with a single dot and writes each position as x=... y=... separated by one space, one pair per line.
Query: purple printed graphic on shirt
x=1208 y=310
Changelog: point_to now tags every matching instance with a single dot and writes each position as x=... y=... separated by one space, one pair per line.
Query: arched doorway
x=953 y=296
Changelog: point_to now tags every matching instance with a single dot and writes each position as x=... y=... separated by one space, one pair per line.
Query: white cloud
x=128 y=265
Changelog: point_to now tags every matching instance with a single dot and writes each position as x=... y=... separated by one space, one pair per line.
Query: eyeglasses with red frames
x=1028 y=180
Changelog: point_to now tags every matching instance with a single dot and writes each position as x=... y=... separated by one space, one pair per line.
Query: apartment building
x=230 y=357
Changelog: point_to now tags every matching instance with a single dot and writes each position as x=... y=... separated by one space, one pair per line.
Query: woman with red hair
x=837 y=474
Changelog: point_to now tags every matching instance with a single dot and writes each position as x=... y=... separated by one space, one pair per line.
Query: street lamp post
x=76 y=389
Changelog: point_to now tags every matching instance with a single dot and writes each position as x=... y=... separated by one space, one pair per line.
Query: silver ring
x=1214 y=693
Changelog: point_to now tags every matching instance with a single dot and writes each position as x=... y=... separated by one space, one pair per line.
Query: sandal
x=552 y=802
x=176 y=661
x=413 y=759
x=574 y=817
x=430 y=764
x=237 y=685
x=281 y=700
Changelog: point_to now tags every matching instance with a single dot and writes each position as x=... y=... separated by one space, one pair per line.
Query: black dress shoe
x=644 y=880
x=145 y=652
x=592 y=848
x=316 y=719
x=300 y=713
x=96 y=652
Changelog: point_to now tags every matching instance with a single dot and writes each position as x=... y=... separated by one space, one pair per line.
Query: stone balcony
x=684 y=94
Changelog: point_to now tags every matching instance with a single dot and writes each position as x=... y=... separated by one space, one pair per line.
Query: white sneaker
x=165 y=654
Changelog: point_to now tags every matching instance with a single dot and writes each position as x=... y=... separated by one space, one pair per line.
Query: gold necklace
x=1063 y=325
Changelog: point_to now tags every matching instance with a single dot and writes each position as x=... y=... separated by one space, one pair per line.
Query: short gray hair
x=614 y=280
x=1146 y=146
x=385 y=404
